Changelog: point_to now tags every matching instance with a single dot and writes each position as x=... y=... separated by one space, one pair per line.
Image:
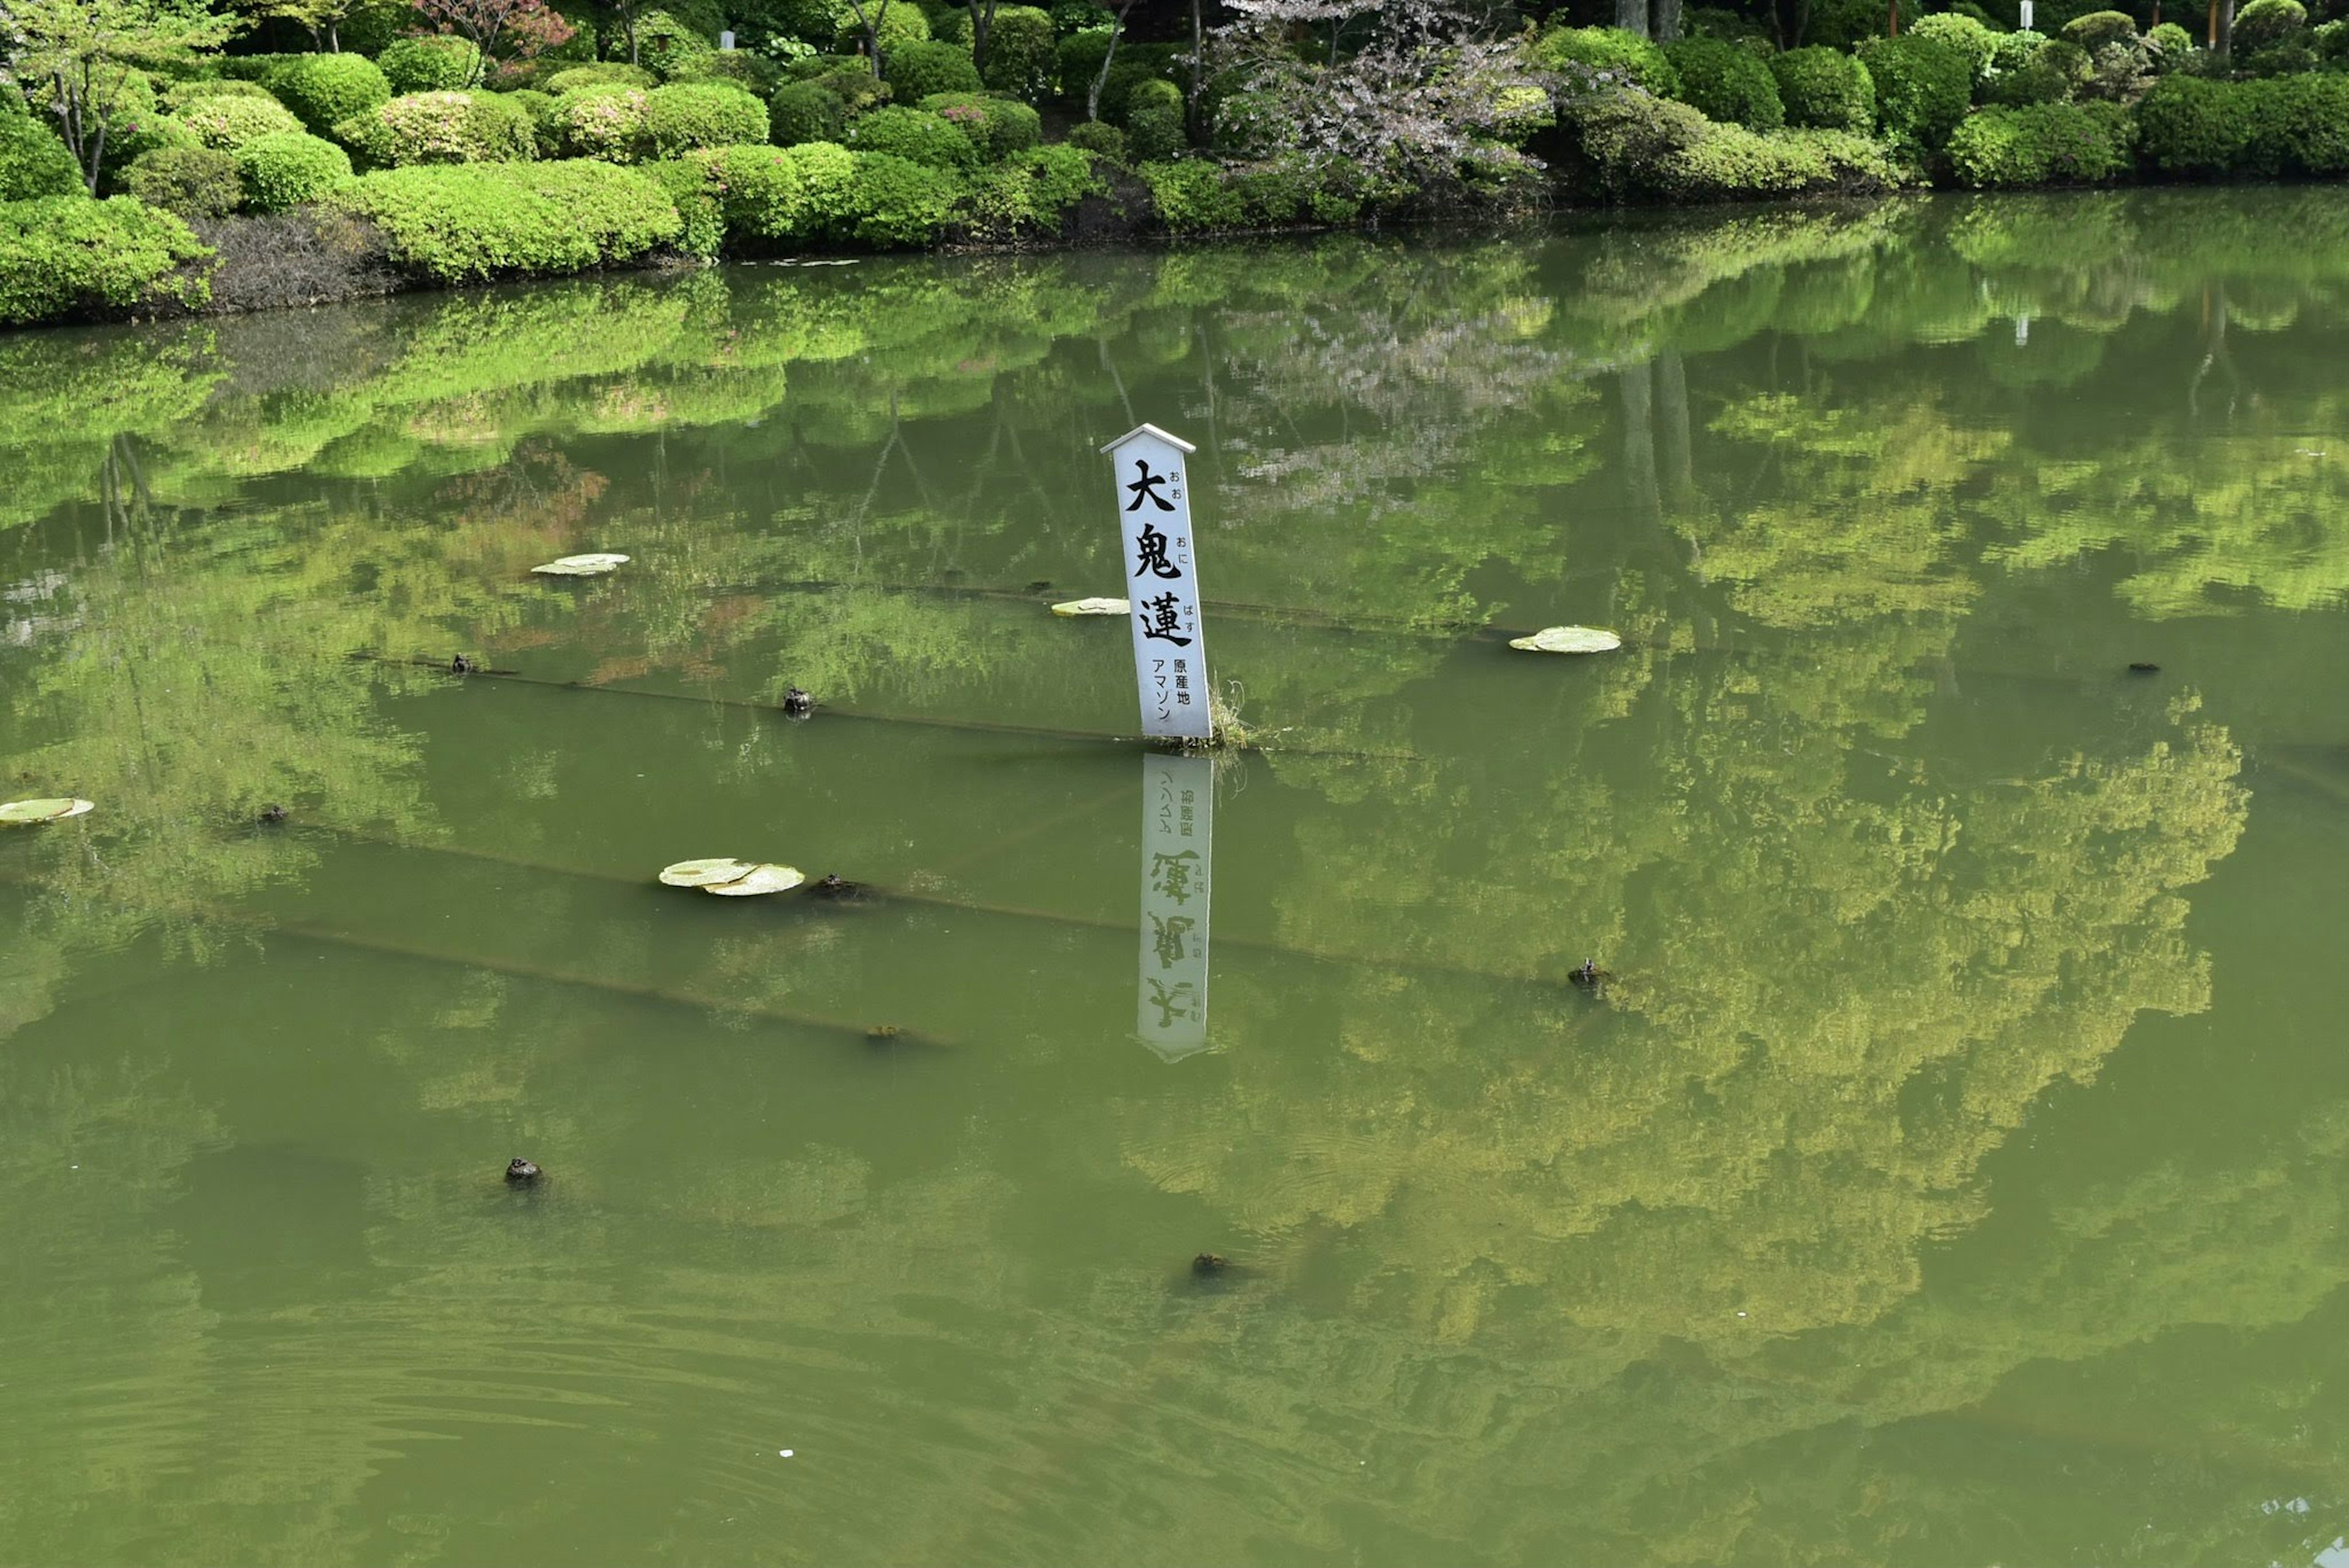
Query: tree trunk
x=333 y=38
x=1631 y=16
x=1101 y=78
x=1198 y=57
x=982 y=21
x=2222 y=27
x=1668 y=21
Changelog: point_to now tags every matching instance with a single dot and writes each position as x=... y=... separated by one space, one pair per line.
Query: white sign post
x=1178 y=856
x=1162 y=581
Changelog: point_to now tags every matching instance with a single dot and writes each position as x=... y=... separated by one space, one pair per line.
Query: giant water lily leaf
x=593 y=566
x=702 y=873
x=1568 y=640
x=1092 y=606
x=54 y=810
x=761 y=880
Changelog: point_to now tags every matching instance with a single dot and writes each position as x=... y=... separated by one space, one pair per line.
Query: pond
x=1952 y=1170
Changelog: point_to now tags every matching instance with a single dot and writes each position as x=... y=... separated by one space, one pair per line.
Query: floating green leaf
x=1092 y=606
x=761 y=880
x=592 y=566
x=702 y=873
x=54 y=810
x=1568 y=640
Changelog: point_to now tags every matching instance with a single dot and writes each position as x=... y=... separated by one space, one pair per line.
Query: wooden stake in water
x=1178 y=858
x=1170 y=651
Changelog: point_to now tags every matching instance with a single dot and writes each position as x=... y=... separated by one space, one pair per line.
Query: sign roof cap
x=1150 y=429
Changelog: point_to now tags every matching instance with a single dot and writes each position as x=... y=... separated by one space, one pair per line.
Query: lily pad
x=593 y=566
x=1093 y=606
x=761 y=880
x=1568 y=640
x=54 y=810
x=702 y=873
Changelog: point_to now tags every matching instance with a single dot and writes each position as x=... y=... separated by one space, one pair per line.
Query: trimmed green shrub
x=490 y=220
x=761 y=195
x=68 y=255
x=673 y=45
x=1923 y=89
x=2283 y=125
x=1726 y=83
x=191 y=182
x=1095 y=136
x=251 y=67
x=1031 y=192
x=539 y=107
x=1136 y=63
x=902 y=24
x=1824 y=90
x=893 y=201
x=2038 y=82
x=1000 y=126
x=2172 y=46
x=687 y=115
x=2098 y=28
x=804 y=112
x=1847 y=23
x=613 y=123
x=856 y=88
x=1620 y=55
x=2012 y=51
x=1732 y=163
x=1194 y=196
x=2044 y=144
x=1021 y=56
x=604 y=73
x=1963 y=34
x=289 y=169
x=441 y=127
x=32 y=162
x=437 y=64
x=179 y=95
x=914 y=135
x=140 y=126
x=916 y=70
x=1153 y=122
x=2265 y=24
x=753 y=73
x=324 y=88
x=228 y=123
x=686 y=182
x=1292 y=189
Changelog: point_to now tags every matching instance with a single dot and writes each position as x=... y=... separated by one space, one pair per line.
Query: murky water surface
x=1952 y=1170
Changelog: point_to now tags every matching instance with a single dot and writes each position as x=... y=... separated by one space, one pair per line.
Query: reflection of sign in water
x=1170 y=658
x=1178 y=802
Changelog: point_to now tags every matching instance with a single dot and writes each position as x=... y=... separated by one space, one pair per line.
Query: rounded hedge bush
x=687 y=115
x=606 y=73
x=2048 y=144
x=181 y=94
x=915 y=71
x=1154 y=130
x=437 y=64
x=1622 y=56
x=192 y=182
x=1962 y=32
x=289 y=169
x=1922 y=88
x=324 y=88
x=915 y=135
x=1824 y=90
x=1022 y=53
x=540 y=109
x=901 y=24
x=762 y=197
x=491 y=220
x=805 y=111
x=1092 y=136
x=2286 y=125
x=610 y=123
x=1002 y=126
x=34 y=162
x=228 y=123
x=2266 y=24
x=892 y=202
x=441 y=127
x=2173 y=45
x=2098 y=28
x=1727 y=84
x=2038 y=82
x=2012 y=51
x=64 y=255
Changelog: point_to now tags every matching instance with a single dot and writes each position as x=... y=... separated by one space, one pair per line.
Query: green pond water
x=1954 y=1170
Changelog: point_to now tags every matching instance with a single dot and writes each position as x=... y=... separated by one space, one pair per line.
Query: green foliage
x=1635 y=146
x=805 y=111
x=323 y=89
x=915 y=70
x=603 y=73
x=2099 y=28
x=1620 y=55
x=2172 y=46
x=34 y=162
x=761 y=197
x=288 y=168
x=485 y=221
x=2041 y=81
x=179 y=95
x=1922 y=88
x=2044 y=144
x=441 y=63
x=249 y=68
x=2284 y=125
x=2012 y=51
x=1022 y=55
x=1001 y=126
x=892 y=202
x=613 y=123
x=673 y=43
x=686 y=182
x=441 y=127
x=545 y=135
x=1030 y=192
x=1154 y=129
x=1962 y=32
x=1292 y=189
x=681 y=117
x=915 y=136
x=1824 y=90
x=2268 y=23
x=192 y=182
x=754 y=73
x=856 y=86
x=1846 y=23
x=1098 y=137
x=1726 y=83
x=901 y=24
x=228 y=123
x=68 y=255
x=1194 y=196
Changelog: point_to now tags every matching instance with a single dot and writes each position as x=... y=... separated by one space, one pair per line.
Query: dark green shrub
x=754 y=74
x=324 y=88
x=2098 y=28
x=1153 y=122
x=1093 y=136
x=1726 y=83
x=1846 y=23
x=2038 y=82
x=2285 y=125
x=687 y=185
x=68 y=255
x=1194 y=196
x=673 y=43
x=138 y=126
x=2012 y=51
x=804 y=112
x=913 y=135
x=440 y=127
x=289 y=169
x=900 y=25
x=1002 y=126
x=1021 y=56
x=539 y=107
x=1077 y=59
x=604 y=73
x=613 y=123
x=1962 y=32
x=1292 y=189
x=34 y=162
x=2068 y=60
x=1922 y=88
x=2172 y=46
x=856 y=87
x=2190 y=126
x=437 y=64
x=251 y=67
x=1617 y=55
x=1825 y=89
x=493 y=220
x=915 y=71
x=762 y=197
x=1136 y=63
x=1030 y=192
x=191 y=182
x=228 y=123
x=2044 y=144
x=683 y=116
x=2268 y=23
x=2332 y=43
x=893 y=201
